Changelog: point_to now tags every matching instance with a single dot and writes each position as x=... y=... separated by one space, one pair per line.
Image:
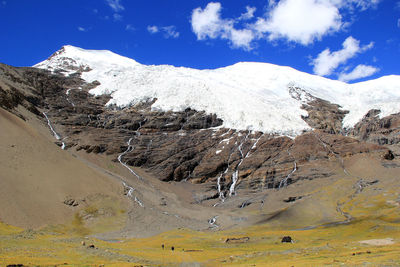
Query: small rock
x=388 y=155
x=287 y=239
x=292 y=199
x=163 y=202
x=71 y=202
x=245 y=204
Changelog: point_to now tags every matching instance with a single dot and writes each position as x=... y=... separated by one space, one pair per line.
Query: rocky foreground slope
x=40 y=184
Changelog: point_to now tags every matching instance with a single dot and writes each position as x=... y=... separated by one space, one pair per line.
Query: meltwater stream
x=129 y=149
x=284 y=181
x=235 y=174
x=55 y=134
x=130 y=194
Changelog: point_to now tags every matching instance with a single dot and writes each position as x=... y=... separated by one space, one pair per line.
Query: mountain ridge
x=246 y=95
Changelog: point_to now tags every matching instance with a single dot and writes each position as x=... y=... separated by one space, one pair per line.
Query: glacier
x=246 y=96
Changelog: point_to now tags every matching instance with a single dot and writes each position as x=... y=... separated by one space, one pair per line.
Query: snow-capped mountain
x=246 y=95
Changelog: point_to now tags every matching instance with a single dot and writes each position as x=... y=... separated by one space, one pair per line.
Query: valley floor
x=333 y=246
x=371 y=237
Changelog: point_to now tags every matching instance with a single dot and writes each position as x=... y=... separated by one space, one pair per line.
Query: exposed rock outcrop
x=191 y=145
x=382 y=131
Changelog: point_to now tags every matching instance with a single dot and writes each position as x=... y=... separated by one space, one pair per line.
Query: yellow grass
x=322 y=246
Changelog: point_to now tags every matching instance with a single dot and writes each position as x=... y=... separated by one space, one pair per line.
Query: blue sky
x=351 y=40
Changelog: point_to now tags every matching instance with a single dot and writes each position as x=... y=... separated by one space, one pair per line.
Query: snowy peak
x=246 y=95
x=70 y=59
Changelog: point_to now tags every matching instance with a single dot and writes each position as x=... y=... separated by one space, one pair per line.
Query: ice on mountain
x=246 y=94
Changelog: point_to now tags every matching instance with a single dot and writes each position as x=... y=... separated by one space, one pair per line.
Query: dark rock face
x=383 y=131
x=189 y=145
x=322 y=114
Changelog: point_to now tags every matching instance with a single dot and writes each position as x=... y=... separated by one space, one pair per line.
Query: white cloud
x=168 y=31
x=152 y=29
x=81 y=29
x=327 y=61
x=361 y=71
x=249 y=13
x=301 y=21
x=207 y=23
x=130 y=28
x=298 y=21
x=361 y=4
x=271 y=3
x=398 y=23
x=241 y=38
x=115 y=5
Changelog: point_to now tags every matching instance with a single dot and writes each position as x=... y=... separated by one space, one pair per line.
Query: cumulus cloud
x=207 y=23
x=360 y=4
x=82 y=29
x=301 y=21
x=168 y=31
x=361 y=71
x=398 y=23
x=271 y=3
x=298 y=21
x=152 y=29
x=249 y=13
x=115 y=5
x=326 y=62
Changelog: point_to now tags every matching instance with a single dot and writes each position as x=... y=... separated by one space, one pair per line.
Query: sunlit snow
x=246 y=95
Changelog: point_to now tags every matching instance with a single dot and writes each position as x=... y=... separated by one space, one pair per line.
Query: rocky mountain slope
x=223 y=132
x=40 y=184
x=160 y=120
